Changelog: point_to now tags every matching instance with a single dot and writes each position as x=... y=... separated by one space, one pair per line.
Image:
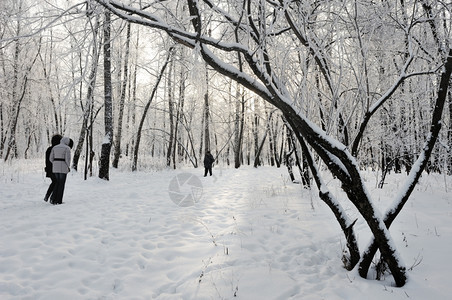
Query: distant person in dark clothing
x=48 y=168
x=208 y=162
x=60 y=156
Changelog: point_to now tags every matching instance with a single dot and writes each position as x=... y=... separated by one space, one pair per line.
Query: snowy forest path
x=251 y=232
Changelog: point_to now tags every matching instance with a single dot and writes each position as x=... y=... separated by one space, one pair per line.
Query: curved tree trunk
x=418 y=167
x=263 y=77
x=146 y=108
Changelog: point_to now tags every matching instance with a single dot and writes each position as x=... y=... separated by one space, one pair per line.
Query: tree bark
x=179 y=116
x=170 y=115
x=206 y=115
x=104 y=163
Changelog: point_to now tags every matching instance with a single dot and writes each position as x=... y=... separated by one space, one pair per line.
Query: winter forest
x=314 y=87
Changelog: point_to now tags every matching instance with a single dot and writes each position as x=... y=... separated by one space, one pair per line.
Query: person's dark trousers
x=51 y=187
x=57 y=197
x=207 y=169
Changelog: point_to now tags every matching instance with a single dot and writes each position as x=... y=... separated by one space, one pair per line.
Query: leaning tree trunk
x=339 y=161
x=351 y=257
x=274 y=134
x=428 y=8
x=104 y=163
x=271 y=144
x=146 y=108
x=288 y=154
x=418 y=167
x=262 y=80
x=336 y=156
x=302 y=167
x=260 y=147
x=449 y=137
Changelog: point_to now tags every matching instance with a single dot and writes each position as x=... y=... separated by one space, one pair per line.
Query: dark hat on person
x=56 y=139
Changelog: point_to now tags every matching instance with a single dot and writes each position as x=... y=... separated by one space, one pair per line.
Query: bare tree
x=266 y=26
x=146 y=109
x=21 y=71
x=122 y=98
x=88 y=106
x=440 y=32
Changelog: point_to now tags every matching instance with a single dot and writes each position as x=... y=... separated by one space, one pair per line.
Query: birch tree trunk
x=170 y=114
x=179 y=115
x=239 y=115
x=104 y=163
x=206 y=115
x=239 y=124
x=255 y=129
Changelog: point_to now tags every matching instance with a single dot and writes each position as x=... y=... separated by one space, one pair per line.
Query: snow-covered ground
x=240 y=234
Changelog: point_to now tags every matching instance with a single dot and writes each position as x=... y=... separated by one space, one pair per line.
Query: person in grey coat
x=56 y=139
x=60 y=156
